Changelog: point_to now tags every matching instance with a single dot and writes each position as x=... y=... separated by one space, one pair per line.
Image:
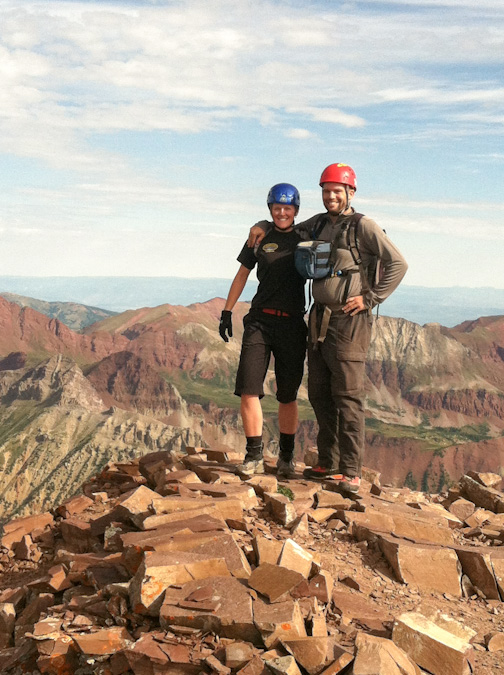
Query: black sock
x=286 y=446
x=254 y=449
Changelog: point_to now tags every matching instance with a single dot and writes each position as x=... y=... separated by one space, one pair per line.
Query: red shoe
x=350 y=484
x=322 y=473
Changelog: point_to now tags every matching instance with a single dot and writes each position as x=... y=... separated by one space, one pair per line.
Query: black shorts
x=285 y=338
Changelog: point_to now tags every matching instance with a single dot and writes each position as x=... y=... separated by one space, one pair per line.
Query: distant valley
x=158 y=378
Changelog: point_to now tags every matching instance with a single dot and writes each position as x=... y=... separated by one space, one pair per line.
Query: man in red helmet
x=340 y=322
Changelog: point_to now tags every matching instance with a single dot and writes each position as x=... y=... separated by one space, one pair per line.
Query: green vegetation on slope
x=434 y=438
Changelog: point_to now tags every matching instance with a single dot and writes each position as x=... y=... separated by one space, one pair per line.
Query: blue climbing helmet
x=283 y=193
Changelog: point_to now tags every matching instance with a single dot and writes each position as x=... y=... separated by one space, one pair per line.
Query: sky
x=140 y=138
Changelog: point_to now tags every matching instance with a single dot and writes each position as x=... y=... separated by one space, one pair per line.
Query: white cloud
x=79 y=79
x=302 y=134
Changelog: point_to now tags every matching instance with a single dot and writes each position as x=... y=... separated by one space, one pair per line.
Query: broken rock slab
x=281 y=508
x=229 y=613
x=104 y=641
x=267 y=550
x=441 y=647
x=492 y=480
x=477 y=566
x=377 y=656
x=484 y=497
x=278 y=621
x=7 y=623
x=353 y=607
x=429 y=568
x=314 y=654
x=462 y=508
x=158 y=571
x=295 y=557
x=283 y=665
x=137 y=505
x=273 y=581
x=238 y=654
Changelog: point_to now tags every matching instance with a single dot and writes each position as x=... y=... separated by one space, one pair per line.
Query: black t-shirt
x=280 y=285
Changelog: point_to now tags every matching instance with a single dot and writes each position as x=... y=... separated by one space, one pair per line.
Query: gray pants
x=336 y=371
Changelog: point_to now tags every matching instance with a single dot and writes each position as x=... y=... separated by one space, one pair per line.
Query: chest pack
x=315 y=259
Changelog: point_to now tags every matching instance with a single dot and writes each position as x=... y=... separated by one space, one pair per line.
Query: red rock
x=255 y=666
x=281 y=508
x=314 y=654
x=233 y=619
x=273 y=581
x=58 y=656
x=267 y=550
x=263 y=483
x=377 y=655
x=355 y=608
x=462 y=508
x=74 y=506
x=241 y=491
x=137 y=505
x=494 y=642
x=29 y=523
x=31 y=614
x=278 y=621
x=484 y=497
x=238 y=654
x=104 y=641
x=295 y=557
x=283 y=665
x=226 y=547
x=55 y=581
x=7 y=623
x=78 y=536
x=477 y=566
x=160 y=570
x=434 y=647
x=216 y=666
x=429 y=568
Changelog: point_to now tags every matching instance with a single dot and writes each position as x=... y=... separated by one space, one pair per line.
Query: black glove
x=225 y=325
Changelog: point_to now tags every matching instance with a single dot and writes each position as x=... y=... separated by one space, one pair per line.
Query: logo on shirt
x=270 y=248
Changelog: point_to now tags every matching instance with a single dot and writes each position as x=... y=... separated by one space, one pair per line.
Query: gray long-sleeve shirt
x=372 y=243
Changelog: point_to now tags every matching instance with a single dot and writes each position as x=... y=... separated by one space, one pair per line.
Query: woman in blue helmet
x=275 y=325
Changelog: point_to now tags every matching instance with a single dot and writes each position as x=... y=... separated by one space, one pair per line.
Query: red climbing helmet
x=339 y=173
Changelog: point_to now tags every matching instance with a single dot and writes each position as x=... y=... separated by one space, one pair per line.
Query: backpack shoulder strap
x=353 y=246
x=318 y=227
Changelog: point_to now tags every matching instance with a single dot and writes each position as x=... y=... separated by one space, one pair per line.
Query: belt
x=275 y=312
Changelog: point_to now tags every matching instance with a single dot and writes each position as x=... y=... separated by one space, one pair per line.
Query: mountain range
x=161 y=378
x=72 y=314
x=420 y=304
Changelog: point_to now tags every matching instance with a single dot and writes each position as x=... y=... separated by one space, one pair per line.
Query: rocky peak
x=58 y=381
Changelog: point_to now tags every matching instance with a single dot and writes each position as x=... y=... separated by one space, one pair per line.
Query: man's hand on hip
x=354 y=305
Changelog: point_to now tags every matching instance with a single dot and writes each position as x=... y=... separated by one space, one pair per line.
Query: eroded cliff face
x=427 y=368
x=56 y=431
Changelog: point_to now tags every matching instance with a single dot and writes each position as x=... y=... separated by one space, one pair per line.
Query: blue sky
x=141 y=138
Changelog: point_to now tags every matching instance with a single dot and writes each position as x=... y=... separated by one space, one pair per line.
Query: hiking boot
x=350 y=484
x=249 y=467
x=286 y=468
x=322 y=473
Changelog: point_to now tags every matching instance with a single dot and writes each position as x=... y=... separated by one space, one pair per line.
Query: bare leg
x=252 y=416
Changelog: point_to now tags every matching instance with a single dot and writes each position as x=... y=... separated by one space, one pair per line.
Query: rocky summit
x=175 y=563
